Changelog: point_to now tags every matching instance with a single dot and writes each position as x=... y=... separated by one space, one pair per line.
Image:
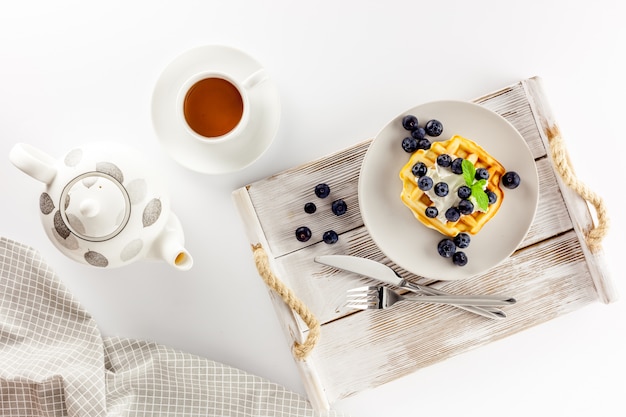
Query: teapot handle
x=33 y=162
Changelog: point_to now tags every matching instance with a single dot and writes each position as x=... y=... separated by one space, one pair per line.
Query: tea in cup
x=214 y=106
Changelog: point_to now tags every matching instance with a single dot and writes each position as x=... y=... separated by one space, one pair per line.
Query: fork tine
x=365 y=288
x=360 y=296
x=358 y=291
x=361 y=291
x=364 y=301
x=362 y=306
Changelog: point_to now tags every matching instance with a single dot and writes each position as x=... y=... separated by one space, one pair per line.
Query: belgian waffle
x=457 y=147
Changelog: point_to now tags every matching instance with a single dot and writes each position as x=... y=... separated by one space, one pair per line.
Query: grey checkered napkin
x=54 y=361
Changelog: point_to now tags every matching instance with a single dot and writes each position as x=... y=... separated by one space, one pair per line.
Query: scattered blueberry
x=423 y=144
x=425 y=183
x=409 y=122
x=330 y=237
x=310 y=208
x=322 y=190
x=419 y=169
x=466 y=207
x=481 y=174
x=511 y=180
x=418 y=133
x=453 y=214
x=444 y=160
x=459 y=258
x=464 y=192
x=431 y=212
x=456 y=166
x=462 y=240
x=441 y=189
x=303 y=233
x=339 y=207
x=492 y=196
x=409 y=144
x=433 y=128
x=446 y=248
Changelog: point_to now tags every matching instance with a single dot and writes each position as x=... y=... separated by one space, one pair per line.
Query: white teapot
x=102 y=206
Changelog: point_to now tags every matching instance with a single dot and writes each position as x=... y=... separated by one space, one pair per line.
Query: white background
x=77 y=71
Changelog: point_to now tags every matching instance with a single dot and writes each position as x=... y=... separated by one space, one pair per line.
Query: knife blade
x=385 y=274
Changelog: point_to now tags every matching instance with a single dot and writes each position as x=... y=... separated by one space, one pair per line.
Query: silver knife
x=387 y=275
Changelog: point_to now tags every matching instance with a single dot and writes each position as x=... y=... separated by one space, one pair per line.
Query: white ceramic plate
x=412 y=245
x=223 y=157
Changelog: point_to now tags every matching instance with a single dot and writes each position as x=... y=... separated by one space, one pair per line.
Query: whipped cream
x=454 y=181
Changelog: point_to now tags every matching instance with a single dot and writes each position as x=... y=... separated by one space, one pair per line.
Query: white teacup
x=214 y=107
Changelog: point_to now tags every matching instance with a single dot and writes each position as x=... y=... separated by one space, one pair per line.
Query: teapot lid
x=95 y=206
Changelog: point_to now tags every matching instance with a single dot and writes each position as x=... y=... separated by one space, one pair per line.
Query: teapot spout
x=170 y=246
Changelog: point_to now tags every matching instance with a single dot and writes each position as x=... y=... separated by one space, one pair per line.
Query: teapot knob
x=89 y=208
x=33 y=162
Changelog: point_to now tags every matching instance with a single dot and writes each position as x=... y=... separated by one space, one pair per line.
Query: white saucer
x=216 y=158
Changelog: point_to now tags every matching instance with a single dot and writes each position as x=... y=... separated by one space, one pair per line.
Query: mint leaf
x=469 y=172
x=478 y=193
x=482 y=200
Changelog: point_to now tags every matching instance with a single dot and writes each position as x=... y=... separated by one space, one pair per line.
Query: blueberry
x=322 y=190
x=409 y=144
x=492 y=196
x=456 y=166
x=419 y=169
x=339 y=207
x=511 y=180
x=310 y=208
x=453 y=214
x=409 y=122
x=425 y=183
x=330 y=237
x=459 y=258
x=433 y=128
x=446 y=248
x=423 y=144
x=303 y=233
x=466 y=207
x=462 y=240
x=464 y=192
x=444 y=160
x=431 y=212
x=418 y=133
x=441 y=189
x=481 y=174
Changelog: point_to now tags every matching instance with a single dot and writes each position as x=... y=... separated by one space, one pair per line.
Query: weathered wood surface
x=552 y=272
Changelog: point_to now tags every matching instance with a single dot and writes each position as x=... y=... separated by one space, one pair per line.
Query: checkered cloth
x=54 y=362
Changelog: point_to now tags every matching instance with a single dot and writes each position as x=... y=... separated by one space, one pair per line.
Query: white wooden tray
x=554 y=271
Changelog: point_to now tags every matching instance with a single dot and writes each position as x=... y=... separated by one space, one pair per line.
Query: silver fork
x=385 y=274
x=379 y=297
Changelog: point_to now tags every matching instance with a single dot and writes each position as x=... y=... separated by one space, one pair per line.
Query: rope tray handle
x=300 y=350
x=595 y=234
